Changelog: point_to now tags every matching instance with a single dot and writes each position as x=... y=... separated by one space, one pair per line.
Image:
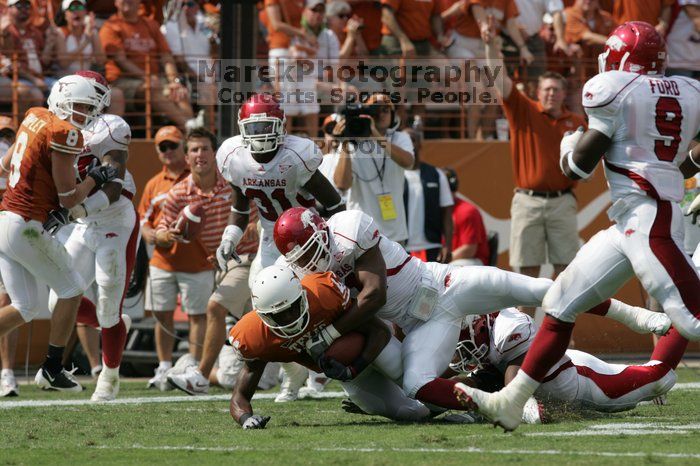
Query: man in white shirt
x=429 y=204
x=683 y=41
x=374 y=168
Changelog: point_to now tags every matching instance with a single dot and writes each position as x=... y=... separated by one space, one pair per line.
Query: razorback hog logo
x=514 y=337
x=615 y=43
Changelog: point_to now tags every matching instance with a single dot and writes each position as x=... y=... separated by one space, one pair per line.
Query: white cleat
x=160 y=380
x=294 y=378
x=658 y=323
x=8 y=386
x=107 y=387
x=497 y=408
x=191 y=382
x=638 y=319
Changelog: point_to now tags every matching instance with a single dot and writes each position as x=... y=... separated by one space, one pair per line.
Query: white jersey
x=651 y=121
x=108 y=133
x=275 y=186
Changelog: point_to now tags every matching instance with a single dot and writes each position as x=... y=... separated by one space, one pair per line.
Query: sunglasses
x=319 y=9
x=76 y=7
x=190 y=4
x=23 y=5
x=343 y=15
x=165 y=146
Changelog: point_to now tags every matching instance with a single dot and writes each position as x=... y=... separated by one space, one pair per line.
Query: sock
x=601 y=309
x=7 y=373
x=113 y=341
x=52 y=363
x=165 y=365
x=439 y=393
x=87 y=313
x=547 y=348
x=111 y=372
x=670 y=348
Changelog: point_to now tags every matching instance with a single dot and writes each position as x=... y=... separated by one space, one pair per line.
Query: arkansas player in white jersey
x=501 y=340
x=104 y=241
x=275 y=170
x=641 y=123
x=426 y=300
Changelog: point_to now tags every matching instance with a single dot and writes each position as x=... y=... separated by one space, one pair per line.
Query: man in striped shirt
x=183 y=267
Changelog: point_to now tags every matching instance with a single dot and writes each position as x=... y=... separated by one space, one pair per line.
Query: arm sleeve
x=601 y=101
x=66 y=139
x=445 y=193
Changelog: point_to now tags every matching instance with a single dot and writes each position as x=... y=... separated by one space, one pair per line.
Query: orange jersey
x=31 y=192
x=328 y=299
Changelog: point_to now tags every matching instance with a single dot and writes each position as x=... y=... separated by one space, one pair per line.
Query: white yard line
x=622 y=428
x=609 y=454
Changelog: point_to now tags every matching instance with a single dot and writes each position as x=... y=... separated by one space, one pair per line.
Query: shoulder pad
x=603 y=89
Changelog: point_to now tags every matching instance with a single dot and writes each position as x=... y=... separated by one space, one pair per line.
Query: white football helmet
x=280 y=301
x=474 y=343
x=71 y=90
x=104 y=93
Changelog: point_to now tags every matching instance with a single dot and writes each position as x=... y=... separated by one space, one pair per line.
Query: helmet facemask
x=261 y=133
x=470 y=354
x=287 y=320
x=313 y=256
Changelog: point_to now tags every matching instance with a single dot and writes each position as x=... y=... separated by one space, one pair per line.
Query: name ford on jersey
x=264 y=182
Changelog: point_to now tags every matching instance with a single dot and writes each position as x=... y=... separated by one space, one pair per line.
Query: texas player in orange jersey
x=41 y=179
x=287 y=313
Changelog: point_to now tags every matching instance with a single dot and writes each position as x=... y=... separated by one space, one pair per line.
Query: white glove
x=227 y=249
x=566 y=149
x=694 y=208
x=256 y=422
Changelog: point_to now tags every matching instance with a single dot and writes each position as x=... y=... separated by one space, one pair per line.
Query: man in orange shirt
x=131 y=40
x=655 y=12
x=543 y=212
x=408 y=26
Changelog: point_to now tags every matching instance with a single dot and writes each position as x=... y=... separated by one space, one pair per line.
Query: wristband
x=67 y=193
x=333 y=207
x=116 y=180
x=95 y=203
x=690 y=154
x=330 y=333
x=574 y=168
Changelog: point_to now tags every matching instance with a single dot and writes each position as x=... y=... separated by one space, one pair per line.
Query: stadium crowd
x=148 y=52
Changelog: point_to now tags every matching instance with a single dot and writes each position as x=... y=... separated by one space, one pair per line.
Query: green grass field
x=195 y=432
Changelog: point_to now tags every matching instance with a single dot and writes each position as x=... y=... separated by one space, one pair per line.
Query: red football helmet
x=261 y=123
x=101 y=85
x=301 y=235
x=636 y=47
x=473 y=346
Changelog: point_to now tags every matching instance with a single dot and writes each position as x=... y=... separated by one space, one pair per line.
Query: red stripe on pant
x=630 y=379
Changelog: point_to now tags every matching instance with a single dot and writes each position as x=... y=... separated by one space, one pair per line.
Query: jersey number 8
x=16 y=161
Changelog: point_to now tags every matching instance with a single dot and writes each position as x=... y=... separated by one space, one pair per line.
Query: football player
x=426 y=300
x=501 y=339
x=641 y=123
x=287 y=311
x=104 y=241
x=276 y=171
x=41 y=178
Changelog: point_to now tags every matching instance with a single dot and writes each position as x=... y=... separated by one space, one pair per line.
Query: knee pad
x=108 y=311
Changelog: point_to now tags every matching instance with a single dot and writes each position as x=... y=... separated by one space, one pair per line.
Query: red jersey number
x=669 y=116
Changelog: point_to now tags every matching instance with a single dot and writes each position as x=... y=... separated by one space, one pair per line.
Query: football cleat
x=160 y=380
x=191 y=381
x=499 y=409
x=64 y=381
x=8 y=386
x=107 y=386
x=315 y=385
x=294 y=378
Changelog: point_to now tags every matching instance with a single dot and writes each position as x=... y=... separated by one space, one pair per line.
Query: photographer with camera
x=370 y=162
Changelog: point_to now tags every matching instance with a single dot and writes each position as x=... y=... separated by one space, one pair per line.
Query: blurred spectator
x=189 y=43
x=21 y=37
x=683 y=40
x=371 y=169
x=408 y=25
x=469 y=242
x=186 y=267
x=370 y=12
x=347 y=29
x=543 y=211
x=428 y=203
x=77 y=45
x=129 y=41
x=103 y=9
x=290 y=38
x=8 y=343
x=655 y=12
x=152 y=9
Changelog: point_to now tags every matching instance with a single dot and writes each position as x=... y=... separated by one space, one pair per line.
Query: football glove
x=694 y=209
x=255 y=422
x=334 y=369
x=320 y=341
x=102 y=173
x=349 y=406
x=56 y=219
x=227 y=249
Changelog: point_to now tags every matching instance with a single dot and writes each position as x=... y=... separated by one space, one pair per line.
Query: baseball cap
x=169 y=133
x=311 y=4
x=6 y=123
x=15 y=2
x=67 y=3
x=337 y=7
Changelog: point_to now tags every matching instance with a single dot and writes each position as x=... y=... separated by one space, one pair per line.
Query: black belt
x=545 y=194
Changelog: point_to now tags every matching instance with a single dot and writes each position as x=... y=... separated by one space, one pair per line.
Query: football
x=190 y=221
x=347 y=348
